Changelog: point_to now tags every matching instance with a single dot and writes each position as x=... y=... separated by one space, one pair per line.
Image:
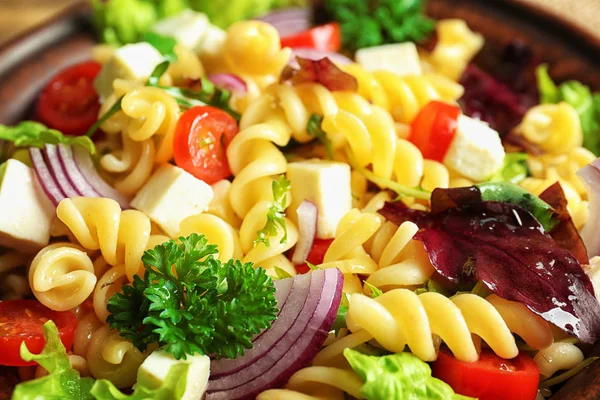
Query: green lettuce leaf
x=173 y=387
x=123 y=21
x=580 y=97
x=398 y=376
x=35 y=134
x=513 y=170
x=164 y=44
x=62 y=382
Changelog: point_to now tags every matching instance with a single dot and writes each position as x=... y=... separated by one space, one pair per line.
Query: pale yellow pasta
x=61 y=276
x=563 y=166
x=86 y=326
x=346 y=252
x=220 y=205
x=131 y=164
x=261 y=255
x=559 y=356
x=456 y=46
x=217 y=232
x=110 y=356
x=402 y=261
x=554 y=127
x=323 y=383
x=102 y=53
x=454 y=320
x=77 y=362
x=99 y=223
x=187 y=65
x=403 y=96
x=108 y=284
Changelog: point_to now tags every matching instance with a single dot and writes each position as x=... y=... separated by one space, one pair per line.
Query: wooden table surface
x=19 y=15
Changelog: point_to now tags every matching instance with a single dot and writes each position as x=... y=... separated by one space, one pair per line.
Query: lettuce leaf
x=580 y=97
x=35 y=134
x=62 y=382
x=173 y=387
x=398 y=376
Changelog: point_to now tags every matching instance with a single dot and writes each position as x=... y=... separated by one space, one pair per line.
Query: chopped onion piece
x=313 y=54
x=58 y=173
x=307 y=227
x=88 y=170
x=591 y=175
x=229 y=82
x=289 y=21
x=65 y=155
x=44 y=176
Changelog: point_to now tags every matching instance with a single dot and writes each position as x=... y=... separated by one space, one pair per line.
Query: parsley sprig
x=276 y=214
x=315 y=130
x=191 y=303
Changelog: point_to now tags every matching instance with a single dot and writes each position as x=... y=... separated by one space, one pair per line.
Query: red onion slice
x=295 y=350
x=229 y=82
x=591 y=175
x=88 y=170
x=313 y=54
x=65 y=155
x=289 y=312
x=57 y=171
x=289 y=21
x=307 y=227
x=44 y=176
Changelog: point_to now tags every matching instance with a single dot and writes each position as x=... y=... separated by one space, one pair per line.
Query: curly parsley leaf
x=314 y=129
x=276 y=213
x=191 y=303
x=35 y=134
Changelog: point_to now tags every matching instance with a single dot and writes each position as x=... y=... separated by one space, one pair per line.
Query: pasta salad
x=264 y=200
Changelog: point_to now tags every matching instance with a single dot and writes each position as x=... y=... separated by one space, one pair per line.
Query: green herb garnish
x=191 y=303
x=164 y=44
x=35 y=134
x=281 y=273
x=314 y=129
x=375 y=291
x=276 y=213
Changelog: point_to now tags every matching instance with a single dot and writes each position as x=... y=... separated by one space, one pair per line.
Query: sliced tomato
x=315 y=256
x=326 y=37
x=69 y=103
x=22 y=321
x=434 y=128
x=490 y=378
x=200 y=143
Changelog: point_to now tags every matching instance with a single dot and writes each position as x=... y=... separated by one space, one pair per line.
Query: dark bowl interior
x=28 y=61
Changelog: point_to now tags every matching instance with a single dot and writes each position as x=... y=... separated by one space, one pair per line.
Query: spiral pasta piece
x=402 y=261
x=559 y=356
x=220 y=204
x=454 y=320
x=61 y=276
x=217 y=232
x=110 y=356
x=456 y=46
x=323 y=383
x=554 y=127
x=403 y=96
x=99 y=224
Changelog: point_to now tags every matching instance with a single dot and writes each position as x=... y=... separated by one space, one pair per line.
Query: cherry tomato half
x=23 y=320
x=69 y=103
x=434 y=128
x=200 y=143
x=315 y=256
x=491 y=377
x=326 y=37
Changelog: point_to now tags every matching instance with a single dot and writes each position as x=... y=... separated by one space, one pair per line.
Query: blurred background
x=17 y=16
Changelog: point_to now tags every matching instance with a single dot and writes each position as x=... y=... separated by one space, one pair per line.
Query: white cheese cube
x=327 y=185
x=213 y=41
x=133 y=62
x=401 y=58
x=26 y=213
x=153 y=372
x=170 y=196
x=476 y=151
x=187 y=28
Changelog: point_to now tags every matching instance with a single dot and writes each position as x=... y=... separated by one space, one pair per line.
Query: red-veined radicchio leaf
x=506 y=248
x=322 y=71
x=565 y=233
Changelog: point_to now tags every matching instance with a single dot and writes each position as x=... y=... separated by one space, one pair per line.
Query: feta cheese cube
x=26 y=213
x=170 y=196
x=327 y=185
x=401 y=58
x=187 y=28
x=476 y=151
x=153 y=372
x=132 y=62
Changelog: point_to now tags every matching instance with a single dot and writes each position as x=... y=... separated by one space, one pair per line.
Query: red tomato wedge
x=434 y=128
x=490 y=378
x=23 y=320
x=326 y=37
x=315 y=256
x=200 y=143
x=69 y=103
